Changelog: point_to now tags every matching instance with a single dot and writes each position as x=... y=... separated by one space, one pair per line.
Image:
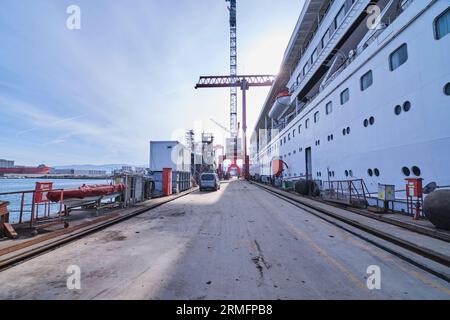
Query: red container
x=167 y=182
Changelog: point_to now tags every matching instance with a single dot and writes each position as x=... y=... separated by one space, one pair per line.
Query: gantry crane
x=233 y=81
x=244 y=82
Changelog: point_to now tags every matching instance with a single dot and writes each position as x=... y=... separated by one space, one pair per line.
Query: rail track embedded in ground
x=324 y=215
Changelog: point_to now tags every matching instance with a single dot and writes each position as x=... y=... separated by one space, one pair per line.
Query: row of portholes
x=406 y=107
x=348 y=173
x=370 y=121
x=317 y=143
x=346 y=131
x=330 y=137
x=331 y=173
x=319 y=174
x=373 y=172
x=415 y=170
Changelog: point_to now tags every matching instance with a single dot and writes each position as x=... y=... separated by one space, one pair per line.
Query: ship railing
x=352 y=192
x=28 y=207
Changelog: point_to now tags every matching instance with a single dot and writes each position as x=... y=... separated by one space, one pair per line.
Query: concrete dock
x=238 y=243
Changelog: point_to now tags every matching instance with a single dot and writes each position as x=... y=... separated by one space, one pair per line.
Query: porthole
x=416 y=170
x=348 y=130
x=406 y=171
x=332 y=137
x=370 y=172
x=372 y=121
x=344 y=132
x=407 y=106
x=398 y=110
x=376 y=172
x=346 y=173
x=350 y=173
x=366 y=123
x=447 y=89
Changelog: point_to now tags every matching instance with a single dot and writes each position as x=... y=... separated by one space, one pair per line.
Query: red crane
x=244 y=82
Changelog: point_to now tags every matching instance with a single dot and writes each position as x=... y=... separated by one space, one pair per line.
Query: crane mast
x=233 y=69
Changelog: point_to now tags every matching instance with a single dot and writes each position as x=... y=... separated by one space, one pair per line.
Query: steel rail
x=318 y=212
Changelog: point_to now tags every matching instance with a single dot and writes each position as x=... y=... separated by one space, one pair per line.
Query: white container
x=169 y=154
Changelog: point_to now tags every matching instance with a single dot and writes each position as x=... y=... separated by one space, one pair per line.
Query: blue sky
x=100 y=94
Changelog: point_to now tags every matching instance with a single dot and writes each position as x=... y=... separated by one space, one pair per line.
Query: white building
x=169 y=154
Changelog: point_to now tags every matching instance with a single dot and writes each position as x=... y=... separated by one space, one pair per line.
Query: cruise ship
x=363 y=93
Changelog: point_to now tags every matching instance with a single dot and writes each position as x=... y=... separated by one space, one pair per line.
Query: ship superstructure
x=363 y=92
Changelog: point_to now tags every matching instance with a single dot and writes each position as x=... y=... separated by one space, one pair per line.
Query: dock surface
x=238 y=243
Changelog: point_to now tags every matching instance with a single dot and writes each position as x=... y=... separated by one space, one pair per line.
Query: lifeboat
x=281 y=103
x=85 y=192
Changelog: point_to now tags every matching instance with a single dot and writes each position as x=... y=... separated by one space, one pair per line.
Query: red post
x=61 y=200
x=244 y=88
x=167 y=181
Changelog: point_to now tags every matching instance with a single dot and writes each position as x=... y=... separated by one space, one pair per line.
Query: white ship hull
x=365 y=138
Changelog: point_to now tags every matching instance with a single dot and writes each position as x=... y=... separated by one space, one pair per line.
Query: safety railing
x=25 y=206
x=348 y=191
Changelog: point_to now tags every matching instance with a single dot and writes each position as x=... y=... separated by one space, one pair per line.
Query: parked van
x=209 y=181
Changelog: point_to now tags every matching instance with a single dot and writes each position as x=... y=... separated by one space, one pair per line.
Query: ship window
x=299 y=129
x=398 y=57
x=316 y=117
x=344 y=132
x=345 y=96
x=293 y=133
x=350 y=173
x=447 y=89
x=289 y=137
x=366 y=123
x=314 y=56
x=372 y=121
x=370 y=172
x=281 y=142
x=398 y=110
x=376 y=172
x=346 y=173
x=416 y=171
x=339 y=18
x=284 y=140
x=329 y=108
x=305 y=69
x=307 y=123
x=406 y=171
x=325 y=38
x=348 y=130
x=407 y=106
x=442 y=25
x=366 y=80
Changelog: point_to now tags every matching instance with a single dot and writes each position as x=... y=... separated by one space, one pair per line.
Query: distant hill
x=104 y=167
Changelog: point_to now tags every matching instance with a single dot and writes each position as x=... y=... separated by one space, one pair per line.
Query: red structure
x=26 y=170
x=85 y=192
x=414 y=196
x=40 y=197
x=167 y=182
x=244 y=82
